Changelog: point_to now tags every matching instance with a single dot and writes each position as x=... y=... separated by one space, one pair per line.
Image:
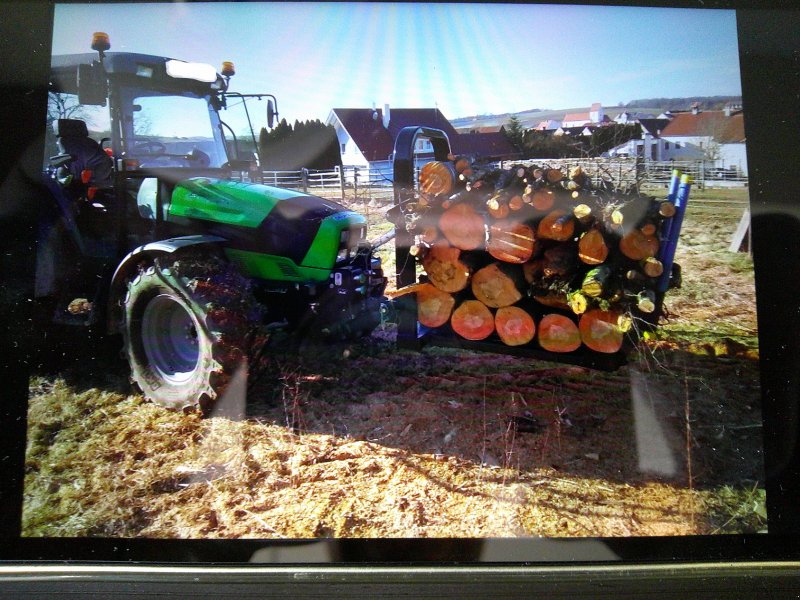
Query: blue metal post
x=673 y=232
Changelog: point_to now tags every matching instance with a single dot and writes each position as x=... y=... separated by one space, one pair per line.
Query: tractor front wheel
x=189 y=326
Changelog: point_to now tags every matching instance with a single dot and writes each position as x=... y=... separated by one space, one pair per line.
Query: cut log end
x=511 y=242
x=444 y=268
x=437 y=177
x=463 y=227
x=494 y=287
x=514 y=326
x=558 y=225
x=638 y=246
x=557 y=333
x=600 y=331
x=472 y=320
x=434 y=306
x=592 y=248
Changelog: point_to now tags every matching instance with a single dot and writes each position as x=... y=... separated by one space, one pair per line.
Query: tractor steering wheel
x=150 y=147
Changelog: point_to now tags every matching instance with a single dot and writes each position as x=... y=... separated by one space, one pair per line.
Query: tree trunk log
x=638 y=246
x=511 y=242
x=444 y=268
x=514 y=326
x=463 y=227
x=600 y=330
x=437 y=177
x=496 y=286
x=557 y=333
x=434 y=306
x=592 y=247
x=558 y=225
x=472 y=320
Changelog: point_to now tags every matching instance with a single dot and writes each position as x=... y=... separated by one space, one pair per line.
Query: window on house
x=677 y=145
x=344 y=148
x=666 y=145
x=701 y=145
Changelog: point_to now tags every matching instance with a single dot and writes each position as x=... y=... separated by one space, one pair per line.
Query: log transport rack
x=412 y=335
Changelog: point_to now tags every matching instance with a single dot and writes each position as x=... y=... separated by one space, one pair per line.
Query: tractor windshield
x=171 y=130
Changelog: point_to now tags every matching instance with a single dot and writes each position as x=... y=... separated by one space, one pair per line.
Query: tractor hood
x=267 y=226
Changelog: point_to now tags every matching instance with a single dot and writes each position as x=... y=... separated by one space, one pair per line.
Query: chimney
x=386 y=116
x=695 y=108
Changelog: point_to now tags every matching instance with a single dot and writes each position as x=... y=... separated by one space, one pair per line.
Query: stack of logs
x=534 y=255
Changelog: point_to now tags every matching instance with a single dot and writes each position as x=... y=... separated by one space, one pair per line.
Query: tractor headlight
x=341 y=255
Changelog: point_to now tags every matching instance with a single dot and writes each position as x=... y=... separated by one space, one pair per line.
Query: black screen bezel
x=769 y=38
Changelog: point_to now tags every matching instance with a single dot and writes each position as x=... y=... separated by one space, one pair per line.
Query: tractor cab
x=126 y=129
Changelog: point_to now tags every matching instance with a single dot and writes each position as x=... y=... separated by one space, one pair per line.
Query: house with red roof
x=714 y=135
x=547 y=125
x=594 y=116
x=367 y=135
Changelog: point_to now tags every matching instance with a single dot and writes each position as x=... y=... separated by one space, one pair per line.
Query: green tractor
x=160 y=231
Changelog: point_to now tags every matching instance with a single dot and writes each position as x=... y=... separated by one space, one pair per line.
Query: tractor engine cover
x=273 y=233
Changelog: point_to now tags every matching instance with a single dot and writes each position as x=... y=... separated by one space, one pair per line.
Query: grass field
x=365 y=440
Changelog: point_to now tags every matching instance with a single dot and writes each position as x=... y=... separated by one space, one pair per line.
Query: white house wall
x=351 y=156
x=691 y=147
x=734 y=155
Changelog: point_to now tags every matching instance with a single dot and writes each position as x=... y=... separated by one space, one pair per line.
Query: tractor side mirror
x=270 y=113
x=92 y=88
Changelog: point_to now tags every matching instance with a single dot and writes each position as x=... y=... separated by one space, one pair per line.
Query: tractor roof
x=64 y=69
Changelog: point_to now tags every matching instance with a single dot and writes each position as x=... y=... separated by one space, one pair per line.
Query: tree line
x=309 y=144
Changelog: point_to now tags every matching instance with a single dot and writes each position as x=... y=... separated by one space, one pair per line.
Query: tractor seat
x=88 y=155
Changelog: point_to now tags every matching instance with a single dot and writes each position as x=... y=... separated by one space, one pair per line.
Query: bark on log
x=597 y=282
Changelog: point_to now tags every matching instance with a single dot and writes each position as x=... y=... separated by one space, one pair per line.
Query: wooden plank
x=741 y=237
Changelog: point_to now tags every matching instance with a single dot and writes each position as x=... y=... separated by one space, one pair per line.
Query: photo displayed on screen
x=394 y=271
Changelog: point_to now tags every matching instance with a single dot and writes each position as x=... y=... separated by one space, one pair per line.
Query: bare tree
x=60 y=106
x=63 y=106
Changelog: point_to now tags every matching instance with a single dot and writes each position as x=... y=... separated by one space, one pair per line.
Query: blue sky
x=464 y=58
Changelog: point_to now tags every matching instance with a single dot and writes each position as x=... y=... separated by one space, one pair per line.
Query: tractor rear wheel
x=190 y=324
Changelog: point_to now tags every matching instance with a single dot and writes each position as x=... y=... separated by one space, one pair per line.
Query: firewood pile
x=533 y=256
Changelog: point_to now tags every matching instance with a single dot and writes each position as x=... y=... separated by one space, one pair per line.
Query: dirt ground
x=365 y=440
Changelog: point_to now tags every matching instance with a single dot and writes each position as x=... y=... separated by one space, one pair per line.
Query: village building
x=715 y=135
x=367 y=136
x=648 y=145
x=547 y=125
x=594 y=116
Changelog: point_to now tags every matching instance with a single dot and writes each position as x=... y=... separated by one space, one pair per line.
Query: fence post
x=355 y=183
x=702 y=174
x=304 y=179
x=340 y=170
